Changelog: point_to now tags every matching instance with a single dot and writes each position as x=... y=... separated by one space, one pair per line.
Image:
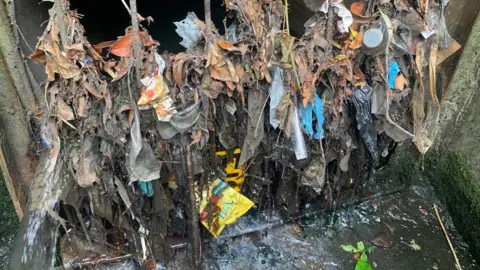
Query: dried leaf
x=308 y=91
x=338 y=58
x=240 y=92
x=226 y=45
x=75 y=51
x=357 y=8
x=348 y=91
x=64 y=111
x=357 y=42
x=196 y=137
x=178 y=68
x=239 y=72
x=363 y=19
x=424 y=6
x=103 y=45
x=433 y=70
x=82 y=103
x=90 y=89
x=243 y=48
x=123 y=46
x=39 y=57
x=220 y=73
x=211 y=88
x=86 y=174
x=400 y=82
x=58 y=63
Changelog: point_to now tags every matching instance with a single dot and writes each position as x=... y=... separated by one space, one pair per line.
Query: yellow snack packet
x=222 y=206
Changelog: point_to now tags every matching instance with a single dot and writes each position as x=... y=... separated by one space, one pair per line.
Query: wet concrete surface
x=314 y=242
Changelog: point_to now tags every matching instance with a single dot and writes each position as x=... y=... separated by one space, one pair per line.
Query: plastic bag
x=222 y=206
x=362 y=100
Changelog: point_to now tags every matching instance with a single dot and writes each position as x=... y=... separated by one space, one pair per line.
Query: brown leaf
x=90 y=89
x=87 y=174
x=357 y=8
x=95 y=55
x=266 y=73
x=196 y=137
x=82 y=103
x=178 y=68
x=400 y=82
x=64 y=111
x=240 y=92
x=424 y=6
x=348 y=91
x=58 y=63
x=363 y=19
x=433 y=70
x=211 y=88
x=308 y=91
x=230 y=88
x=226 y=45
x=243 y=48
x=214 y=89
x=357 y=42
x=239 y=72
x=75 y=51
x=103 y=45
x=220 y=73
x=123 y=46
x=39 y=57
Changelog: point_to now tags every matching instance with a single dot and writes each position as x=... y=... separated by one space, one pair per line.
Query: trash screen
x=201 y=116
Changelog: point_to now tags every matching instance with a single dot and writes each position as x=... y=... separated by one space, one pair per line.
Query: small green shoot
x=360 y=255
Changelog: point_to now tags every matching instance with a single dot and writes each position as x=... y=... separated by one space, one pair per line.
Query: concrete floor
x=315 y=242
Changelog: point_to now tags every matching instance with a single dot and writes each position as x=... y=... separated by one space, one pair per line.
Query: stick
x=292 y=57
x=457 y=262
x=330 y=24
x=61 y=22
x=194 y=230
x=137 y=45
x=208 y=17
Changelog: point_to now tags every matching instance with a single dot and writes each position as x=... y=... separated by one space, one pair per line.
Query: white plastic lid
x=372 y=37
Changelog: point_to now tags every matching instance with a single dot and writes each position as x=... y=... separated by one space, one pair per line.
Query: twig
x=329 y=34
x=208 y=17
x=137 y=45
x=24 y=39
x=61 y=22
x=97 y=261
x=261 y=114
x=82 y=223
x=140 y=17
x=292 y=58
x=126 y=6
x=457 y=262
x=263 y=179
x=194 y=230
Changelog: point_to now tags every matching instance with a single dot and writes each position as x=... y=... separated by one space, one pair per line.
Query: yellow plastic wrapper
x=222 y=206
x=235 y=176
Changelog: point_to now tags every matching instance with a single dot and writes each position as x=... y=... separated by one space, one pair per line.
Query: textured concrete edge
x=16 y=95
x=463 y=85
